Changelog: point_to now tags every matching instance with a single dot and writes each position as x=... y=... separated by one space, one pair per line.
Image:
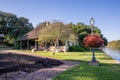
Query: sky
x=106 y=13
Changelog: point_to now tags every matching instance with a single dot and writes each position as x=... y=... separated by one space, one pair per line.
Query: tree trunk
x=58 y=47
x=45 y=47
x=54 y=49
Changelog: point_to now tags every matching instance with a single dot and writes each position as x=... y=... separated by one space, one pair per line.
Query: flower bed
x=11 y=62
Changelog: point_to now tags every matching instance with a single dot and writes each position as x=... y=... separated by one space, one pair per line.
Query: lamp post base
x=95 y=63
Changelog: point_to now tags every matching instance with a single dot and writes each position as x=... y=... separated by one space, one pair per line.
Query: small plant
x=77 y=48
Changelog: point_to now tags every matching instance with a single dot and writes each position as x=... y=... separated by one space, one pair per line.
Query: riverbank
x=114 y=54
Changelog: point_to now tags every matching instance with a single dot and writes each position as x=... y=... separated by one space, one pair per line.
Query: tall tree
x=13 y=27
x=44 y=36
x=55 y=32
x=7 y=22
x=114 y=44
x=60 y=32
x=83 y=30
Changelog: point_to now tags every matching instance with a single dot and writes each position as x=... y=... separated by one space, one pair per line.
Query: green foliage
x=114 y=44
x=55 y=32
x=8 y=40
x=44 y=35
x=83 y=30
x=77 y=49
x=13 y=27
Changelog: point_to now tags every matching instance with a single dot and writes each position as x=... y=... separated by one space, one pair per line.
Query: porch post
x=27 y=44
x=20 y=44
x=36 y=47
x=66 y=46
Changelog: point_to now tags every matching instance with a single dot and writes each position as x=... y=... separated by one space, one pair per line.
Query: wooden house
x=30 y=41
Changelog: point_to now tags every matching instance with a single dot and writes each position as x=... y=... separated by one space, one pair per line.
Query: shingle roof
x=31 y=35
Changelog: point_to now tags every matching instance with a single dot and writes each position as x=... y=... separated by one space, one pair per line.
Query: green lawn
x=4 y=47
x=108 y=69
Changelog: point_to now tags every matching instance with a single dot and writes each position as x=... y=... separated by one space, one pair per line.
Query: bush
x=77 y=48
x=8 y=44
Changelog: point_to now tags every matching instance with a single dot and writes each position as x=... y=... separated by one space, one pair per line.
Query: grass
x=4 y=47
x=109 y=69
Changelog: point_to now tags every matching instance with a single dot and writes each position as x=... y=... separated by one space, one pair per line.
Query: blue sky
x=105 y=12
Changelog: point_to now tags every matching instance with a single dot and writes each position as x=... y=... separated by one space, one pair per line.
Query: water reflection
x=114 y=53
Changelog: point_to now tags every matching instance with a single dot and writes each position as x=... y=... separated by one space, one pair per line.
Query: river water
x=114 y=53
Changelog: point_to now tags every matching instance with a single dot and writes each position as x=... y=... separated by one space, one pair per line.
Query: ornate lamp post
x=92 y=22
x=93 y=41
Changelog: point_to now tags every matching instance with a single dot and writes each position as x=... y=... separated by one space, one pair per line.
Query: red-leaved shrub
x=93 y=41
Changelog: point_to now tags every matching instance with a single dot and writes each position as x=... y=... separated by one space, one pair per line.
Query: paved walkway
x=42 y=74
